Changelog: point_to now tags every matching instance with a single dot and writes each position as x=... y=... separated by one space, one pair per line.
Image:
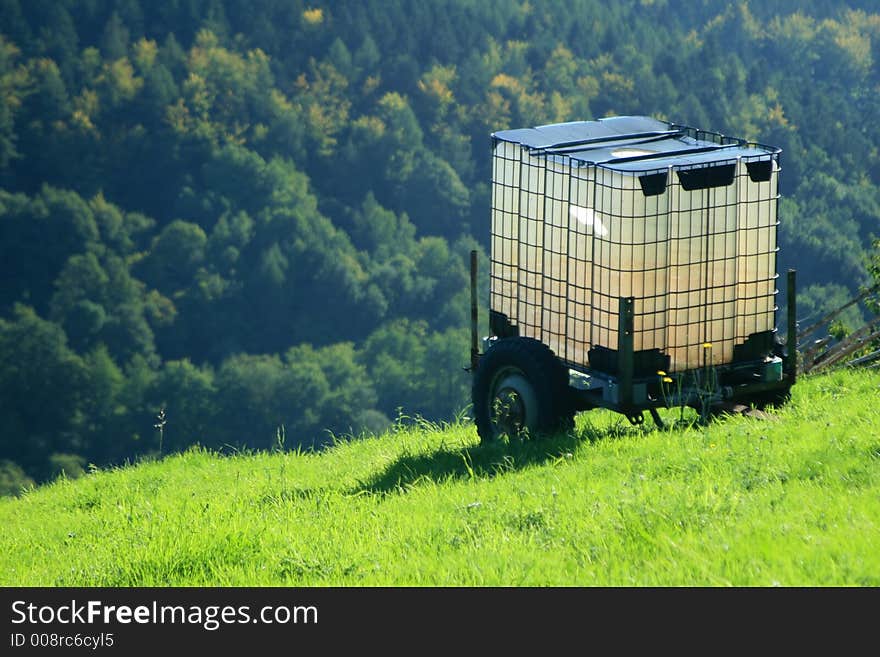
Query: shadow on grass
x=483 y=461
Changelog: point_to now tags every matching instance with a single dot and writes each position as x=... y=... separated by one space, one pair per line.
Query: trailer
x=633 y=267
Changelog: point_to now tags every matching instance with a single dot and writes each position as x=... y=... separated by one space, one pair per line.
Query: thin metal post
x=475 y=350
x=791 y=340
x=626 y=359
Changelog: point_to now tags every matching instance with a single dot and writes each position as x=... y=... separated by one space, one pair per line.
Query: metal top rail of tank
x=582 y=141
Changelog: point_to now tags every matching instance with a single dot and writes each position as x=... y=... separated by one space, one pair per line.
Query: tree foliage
x=257 y=214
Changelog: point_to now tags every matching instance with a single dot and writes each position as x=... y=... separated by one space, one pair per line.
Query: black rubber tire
x=520 y=388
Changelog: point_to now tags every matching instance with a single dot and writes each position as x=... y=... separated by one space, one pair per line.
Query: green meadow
x=789 y=501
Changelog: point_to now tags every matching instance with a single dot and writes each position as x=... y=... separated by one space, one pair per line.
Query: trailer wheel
x=520 y=388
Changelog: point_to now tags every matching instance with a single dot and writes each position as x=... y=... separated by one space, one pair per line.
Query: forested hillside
x=256 y=214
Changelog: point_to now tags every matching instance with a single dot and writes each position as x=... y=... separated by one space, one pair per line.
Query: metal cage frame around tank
x=708 y=161
x=535 y=293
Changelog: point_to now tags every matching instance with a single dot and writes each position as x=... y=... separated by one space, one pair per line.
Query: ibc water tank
x=683 y=220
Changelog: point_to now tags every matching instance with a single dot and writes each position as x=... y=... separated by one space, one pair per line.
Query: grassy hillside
x=789 y=501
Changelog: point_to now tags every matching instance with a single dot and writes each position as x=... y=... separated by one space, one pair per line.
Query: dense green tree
x=176 y=254
x=14 y=80
x=41 y=385
x=104 y=415
x=37 y=236
x=188 y=396
x=260 y=394
x=100 y=302
x=416 y=371
x=115 y=40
